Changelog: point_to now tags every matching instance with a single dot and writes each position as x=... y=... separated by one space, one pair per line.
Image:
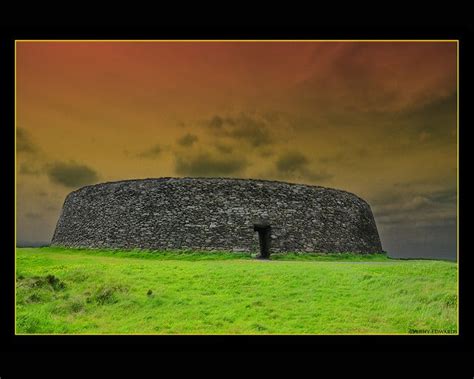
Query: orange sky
x=374 y=118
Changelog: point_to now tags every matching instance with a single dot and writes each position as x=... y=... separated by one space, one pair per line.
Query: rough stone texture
x=215 y=214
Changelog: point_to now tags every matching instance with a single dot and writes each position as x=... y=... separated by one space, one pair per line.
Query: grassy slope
x=107 y=292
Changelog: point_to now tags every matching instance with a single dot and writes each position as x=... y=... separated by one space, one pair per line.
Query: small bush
x=106 y=294
x=76 y=305
x=55 y=283
x=33 y=298
x=50 y=281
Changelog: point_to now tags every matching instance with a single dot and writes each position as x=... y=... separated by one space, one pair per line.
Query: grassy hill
x=119 y=292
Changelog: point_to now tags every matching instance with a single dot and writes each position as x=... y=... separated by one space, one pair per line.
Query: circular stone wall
x=215 y=214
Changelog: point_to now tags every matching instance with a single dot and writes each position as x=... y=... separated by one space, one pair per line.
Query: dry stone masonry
x=215 y=214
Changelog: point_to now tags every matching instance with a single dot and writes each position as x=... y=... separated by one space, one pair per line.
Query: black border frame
x=361 y=343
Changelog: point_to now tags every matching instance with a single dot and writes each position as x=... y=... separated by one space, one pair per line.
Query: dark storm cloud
x=316 y=176
x=187 y=140
x=151 y=153
x=445 y=197
x=24 y=143
x=295 y=165
x=444 y=106
x=291 y=162
x=432 y=125
x=417 y=219
x=217 y=122
x=71 y=174
x=204 y=164
x=224 y=149
x=418 y=208
x=250 y=129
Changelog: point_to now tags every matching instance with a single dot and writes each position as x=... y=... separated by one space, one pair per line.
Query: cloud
x=217 y=122
x=205 y=164
x=295 y=165
x=71 y=174
x=187 y=140
x=253 y=130
x=223 y=148
x=316 y=176
x=346 y=156
x=415 y=208
x=417 y=218
x=378 y=77
x=151 y=153
x=24 y=143
x=434 y=123
x=28 y=169
x=290 y=162
x=265 y=153
x=273 y=116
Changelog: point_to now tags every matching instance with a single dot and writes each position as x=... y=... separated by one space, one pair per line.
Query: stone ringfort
x=215 y=214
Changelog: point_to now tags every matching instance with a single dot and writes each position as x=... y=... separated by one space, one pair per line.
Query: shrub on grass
x=34 y=298
x=76 y=305
x=55 y=283
x=106 y=294
x=50 y=281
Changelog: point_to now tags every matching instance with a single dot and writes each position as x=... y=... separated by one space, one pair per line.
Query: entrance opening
x=264 y=232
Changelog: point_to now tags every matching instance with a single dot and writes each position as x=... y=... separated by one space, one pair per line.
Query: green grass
x=118 y=292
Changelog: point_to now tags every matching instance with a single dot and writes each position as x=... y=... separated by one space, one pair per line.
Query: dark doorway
x=264 y=233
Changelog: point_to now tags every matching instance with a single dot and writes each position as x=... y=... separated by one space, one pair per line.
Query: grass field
x=105 y=292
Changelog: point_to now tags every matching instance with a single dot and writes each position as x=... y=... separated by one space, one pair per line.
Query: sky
x=378 y=119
